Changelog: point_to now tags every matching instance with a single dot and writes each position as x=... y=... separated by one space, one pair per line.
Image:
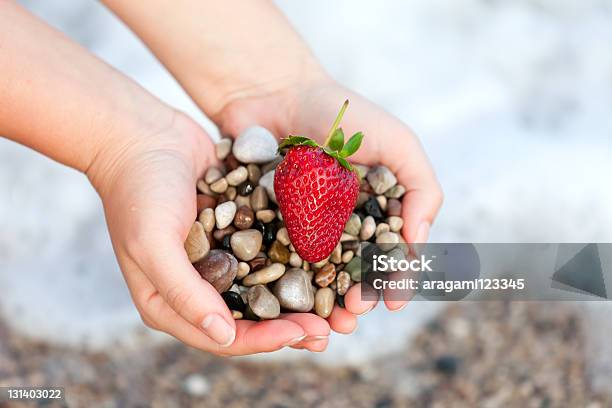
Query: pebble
x=207 y=218
x=223 y=148
x=350 y=245
x=353 y=225
x=196 y=244
x=204 y=201
x=354 y=269
x=381 y=179
x=361 y=199
x=347 y=256
x=243 y=270
x=373 y=208
x=212 y=174
x=347 y=237
x=219 y=186
x=224 y=214
x=382 y=202
x=395 y=223
x=259 y=199
x=387 y=240
x=237 y=315
x=396 y=191
x=264 y=275
x=269 y=233
x=321 y=263
x=294 y=291
x=343 y=282
x=233 y=301
x=254 y=173
x=394 y=207
x=245 y=244
x=255 y=145
x=382 y=228
x=263 y=303
x=258 y=262
x=246 y=188
x=283 y=236
x=265 y=216
x=295 y=260
x=336 y=255
x=271 y=165
x=368 y=228
x=237 y=176
x=222 y=233
x=226 y=243
x=196 y=385
x=267 y=182
x=231 y=162
x=324 y=302
x=361 y=170
x=230 y=193
x=244 y=218
x=278 y=253
x=325 y=275
x=219 y=268
x=241 y=200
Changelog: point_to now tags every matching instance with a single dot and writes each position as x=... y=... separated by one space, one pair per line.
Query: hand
x=307 y=108
x=147 y=185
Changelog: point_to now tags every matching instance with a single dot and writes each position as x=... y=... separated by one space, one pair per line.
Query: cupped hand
x=147 y=185
x=308 y=109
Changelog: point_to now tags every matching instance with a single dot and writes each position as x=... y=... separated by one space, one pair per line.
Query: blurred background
x=513 y=102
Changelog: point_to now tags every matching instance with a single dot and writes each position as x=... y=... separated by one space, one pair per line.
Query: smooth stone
x=272 y=165
x=382 y=228
x=279 y=215
x=395 y=223
x=219 y=186
x=354 y=269
x=347 y=237
x=258 y=262
x=265 y=216
x=336 y=256
x=396 y=191
x=237 y=176
x=224 y=214
x=255 y=145
x=234 y=287
x=283 y=236
x=294 y=291
x=219 y=268
x=237 y=315
x=361 y=199
x=350 y=245
x=387 y=241
x=267 y=182
x=196 y=244
x=245 y=244
x=244 y=218
x=394 y=207
x=196 y=385
x=226 y=243
x=295 y=260
x=259 y=199
x=246 y=188
x=265 y=275
x=347 y=256
x=361 y=170
x=321 y=263
x=343 y=282
x=204 y=188
x=373 y=208
x=204 y=201
x=230 y=193
x=207 y=218
x=212 y=174
x=233 y=301
x=324 y=302
x=368 y=228
x=243 y=270
x=382 y=202
x=254 y=173
x=279 y=253
x=231 y=163
x=269 y=234
x=353 y=225
x=263 y=303
x=325 y=275
x=241 y=200
x=381 y=179
x=223 y=148
x=222 y=233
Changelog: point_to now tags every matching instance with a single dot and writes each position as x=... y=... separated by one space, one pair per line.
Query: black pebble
x=340 y=301
x=447 y=364
x=373 y=208
x=246 y=188
x=234 y=301
x=225 y=244
x=259 y=226
x=269 y=233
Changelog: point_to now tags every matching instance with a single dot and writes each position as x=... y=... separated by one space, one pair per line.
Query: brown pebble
x=244 y=218
x=259 y=199
x=196 y=244
x=343 y=282
x=254 y=172
x=219 y=186
x=207 y=218
x=347 y=256
x=243 y=270
x=231 y=163
x=221 y=233
x=325 y=275
x=257 y=263
x=205 y=201
x=279 y=253
x=324 y=302
x=336 y=255
x=204 y=188
x=394 y=207
x=230 y=193
x=265 y=216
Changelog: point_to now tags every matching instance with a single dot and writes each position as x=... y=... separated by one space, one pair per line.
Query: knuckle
x=178 y=297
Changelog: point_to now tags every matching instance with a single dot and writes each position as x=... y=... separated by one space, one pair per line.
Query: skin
x=144 y=158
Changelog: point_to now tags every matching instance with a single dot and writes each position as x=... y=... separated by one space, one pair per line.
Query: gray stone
x=267 y=182
x=212 y=174
x=396 y=191
x=219 y=268
x=354 y=269
x=223 y=148
x=245 y=244
x=353 y=225
x=382 y=228
x=368 y=228
x=381 y=179
x=324 y=302
x=387 y=241
x=224 y=214
x=264 y=275
x=294 y=291
x=255 y=145
x=263 y=303
x=395 y=223
x=196 y=385
x=343 y=282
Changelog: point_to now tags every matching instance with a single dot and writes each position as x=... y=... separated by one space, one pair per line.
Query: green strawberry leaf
x=352 y=145
x=336 y=142
x=296 y=141
x=344 y=163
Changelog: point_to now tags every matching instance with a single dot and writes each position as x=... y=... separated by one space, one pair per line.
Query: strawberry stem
x=336 y=122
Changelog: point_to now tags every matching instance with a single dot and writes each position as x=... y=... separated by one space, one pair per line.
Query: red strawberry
x=316 y=189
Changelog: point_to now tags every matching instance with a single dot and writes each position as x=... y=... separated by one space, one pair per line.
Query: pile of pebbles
x=240 y=245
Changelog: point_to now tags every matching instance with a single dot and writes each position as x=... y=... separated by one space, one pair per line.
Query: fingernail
x=294 y=341
x=218 y=330
x=399 y=309
x=309 y=339
x=368 y=310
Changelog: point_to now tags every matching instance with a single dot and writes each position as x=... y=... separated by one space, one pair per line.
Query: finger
x=342 y=321
x=315 y=327
x=316 y=345
x=353 y=302
x=181 y=287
